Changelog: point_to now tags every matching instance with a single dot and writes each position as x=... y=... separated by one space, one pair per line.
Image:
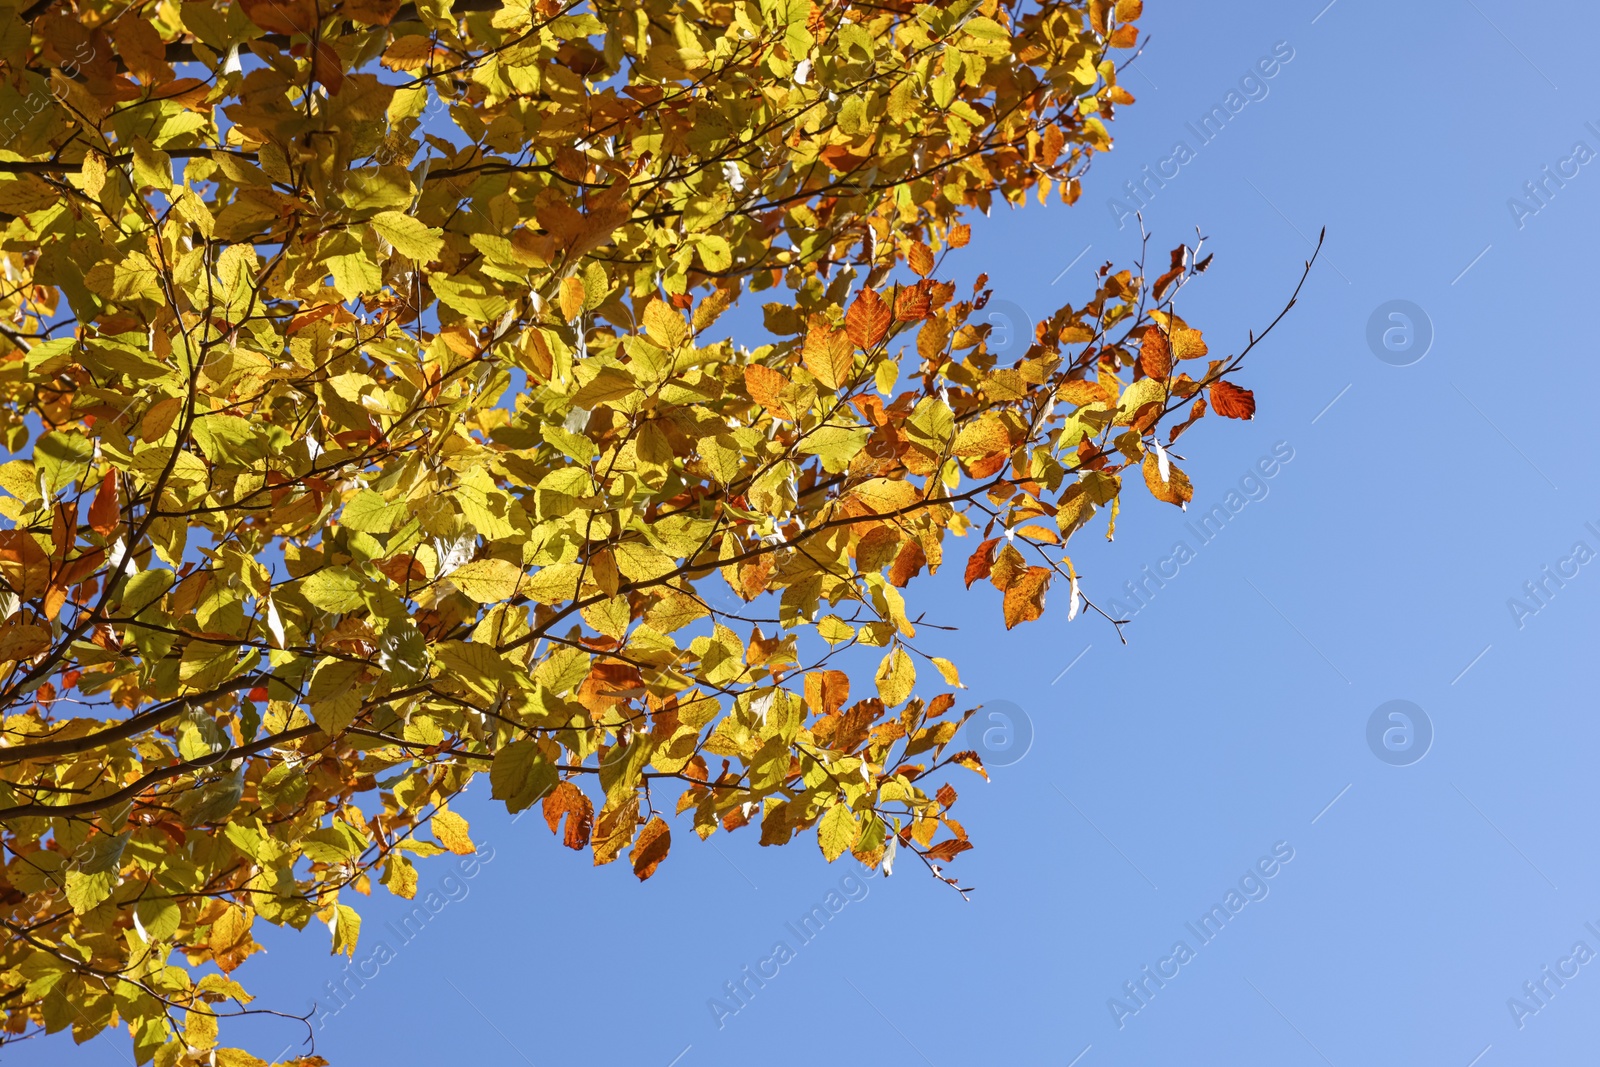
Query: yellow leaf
x=837 y=831
x=896 y=676
x=487 y=580
x=1188 y=344
x=418 y=243
x=451 y=830
x=948 y=669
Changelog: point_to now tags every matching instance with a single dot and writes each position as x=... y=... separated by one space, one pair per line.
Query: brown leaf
x=327 y=68
x=651 y=847
x=568 y=800
x=1232 y=402
x=867 y=321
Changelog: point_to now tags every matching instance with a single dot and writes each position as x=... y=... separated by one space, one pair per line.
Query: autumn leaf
x=828 y=356
x=867 y=321
x=764 y=385
x=451 y=830
x=837 y=831
x=896 y=676
x=1024 y=597
x=1232 y=402
x=1155 y=356
x=1173 y=489
x=650 y=847
x=567 y=800
x=400 y=395
x=105 y=513
x=487 y=580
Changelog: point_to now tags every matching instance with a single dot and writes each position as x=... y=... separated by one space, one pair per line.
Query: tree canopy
x=373 y=430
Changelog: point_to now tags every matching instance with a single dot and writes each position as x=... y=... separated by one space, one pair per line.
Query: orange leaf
x=919 y=257
x=105 y=512
x=826 y=691
x=764 y=386
x=1079 y=392
x=1124 y=37
x=907 y=563
x=1232 y=402
x=1155 y=355
x=842 y=159
x=912 y=303
x=327 y=69
x=567 y=799
x=572 y=296
x=1175 y=490
x=1188 y=344
x=1025 y=596
x=1197 y=409
x=945 y=851
x=827 y=355
x=981 y=561
x=867 y=321
x=371 y=12
x=651 y=847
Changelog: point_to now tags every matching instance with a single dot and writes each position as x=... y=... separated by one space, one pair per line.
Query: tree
x=378 y=434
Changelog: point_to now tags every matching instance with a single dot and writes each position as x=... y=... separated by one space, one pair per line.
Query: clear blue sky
x=1378 y=566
